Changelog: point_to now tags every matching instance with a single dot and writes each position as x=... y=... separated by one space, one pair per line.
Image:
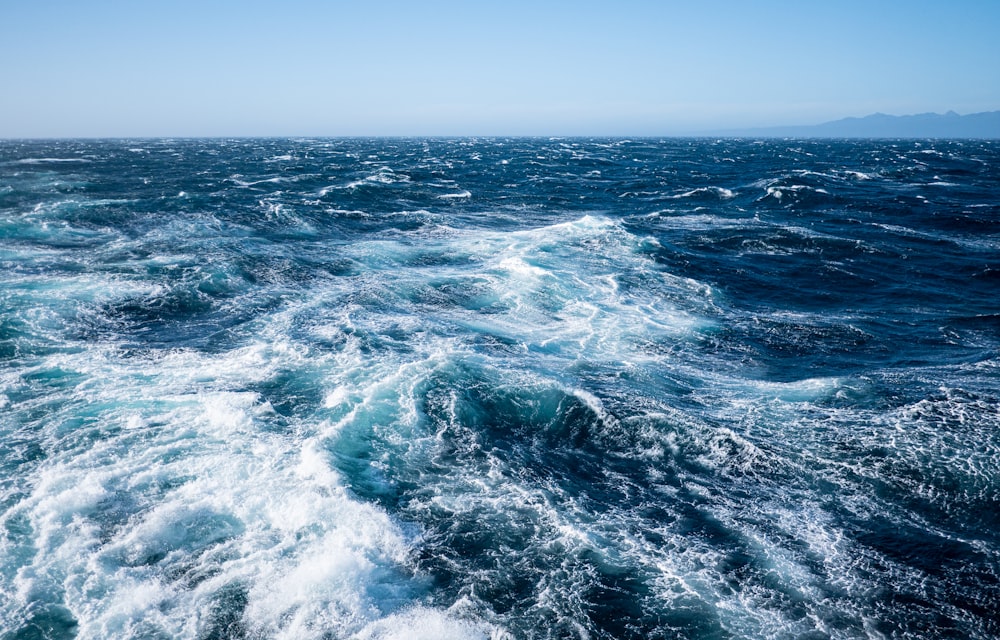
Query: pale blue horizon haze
x=309 y=68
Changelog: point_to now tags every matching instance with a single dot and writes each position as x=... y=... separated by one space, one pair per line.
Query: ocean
x=499 y=388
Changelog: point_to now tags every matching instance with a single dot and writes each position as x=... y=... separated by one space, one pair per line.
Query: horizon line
x=691 y=136
x=756 y=131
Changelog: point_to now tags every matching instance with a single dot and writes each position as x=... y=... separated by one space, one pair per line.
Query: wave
x=52 y=160
x=719 y=192
x=459 y=195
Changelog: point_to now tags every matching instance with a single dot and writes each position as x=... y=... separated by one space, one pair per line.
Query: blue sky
x=301 y=67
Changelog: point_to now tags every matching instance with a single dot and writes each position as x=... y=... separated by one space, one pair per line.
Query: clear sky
x=618 y=67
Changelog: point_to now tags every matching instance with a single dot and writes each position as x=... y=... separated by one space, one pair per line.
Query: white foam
x=421 y=623
x=48 y=160
x=246 y=508
x=451 y=196
x=721 y=192
x=861 y=175
x=384 y=175
x=671 y=219
x=806 y=390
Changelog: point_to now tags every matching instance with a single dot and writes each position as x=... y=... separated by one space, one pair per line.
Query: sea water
x=499 y=388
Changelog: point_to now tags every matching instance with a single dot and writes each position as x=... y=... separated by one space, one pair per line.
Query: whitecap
x=861 y=175
x=721 y=192
x=51 y=160
x=460 y=195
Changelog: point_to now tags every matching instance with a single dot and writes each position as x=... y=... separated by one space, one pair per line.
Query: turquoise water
x=499 y=388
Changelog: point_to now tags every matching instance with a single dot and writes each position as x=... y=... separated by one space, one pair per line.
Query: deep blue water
x=499 y=388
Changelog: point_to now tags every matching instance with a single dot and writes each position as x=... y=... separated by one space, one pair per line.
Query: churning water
x=499 y=388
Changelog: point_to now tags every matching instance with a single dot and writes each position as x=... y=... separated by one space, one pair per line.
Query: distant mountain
x=880 y=125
